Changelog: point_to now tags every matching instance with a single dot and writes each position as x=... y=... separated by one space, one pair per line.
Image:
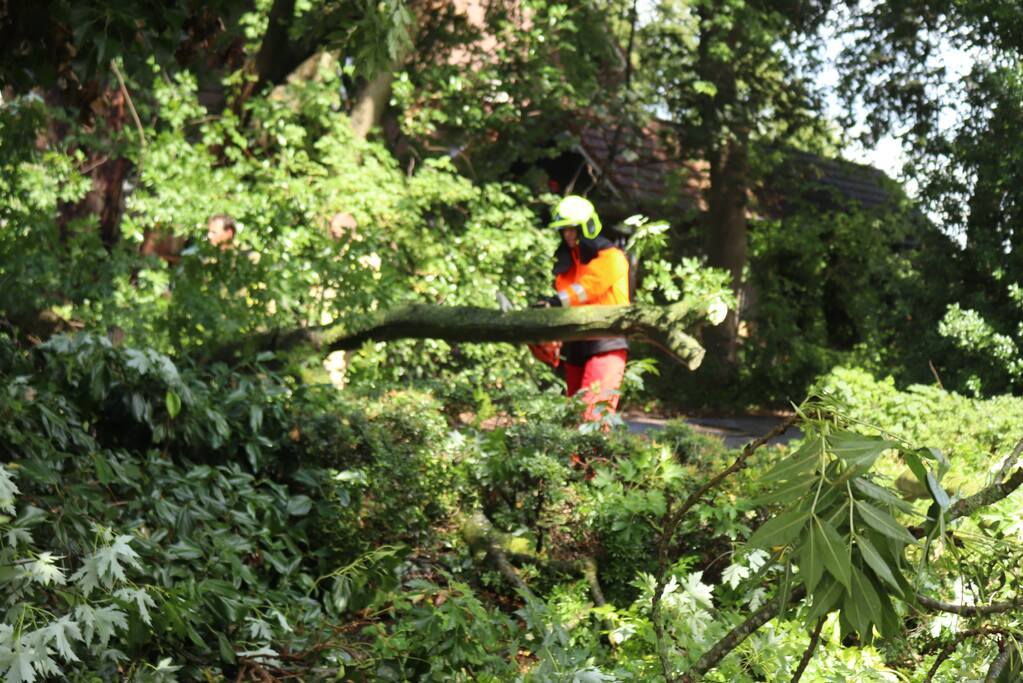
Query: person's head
x=342 y=225
x=220 y=231
x=576 y=218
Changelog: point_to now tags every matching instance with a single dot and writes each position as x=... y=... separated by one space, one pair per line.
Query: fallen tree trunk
x=661 y=326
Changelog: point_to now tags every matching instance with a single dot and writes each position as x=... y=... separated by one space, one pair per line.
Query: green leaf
x=834 y=551
x=827 y=597
x=705 y=88
x=789 y=491
x=862 y=604
x=804 y=459
x=138 y=407
x=874 y=560
x=890 y=625
x=915 y=466
x=811 y=561
x=857 y=449
x=63 y=631
x=100 y=622
x=780 y=530
x=937 y=493
x=173 y=403
x=299 y=505
x=226 y=651
x=882 y=522
x=255 y=417
x=881 y=495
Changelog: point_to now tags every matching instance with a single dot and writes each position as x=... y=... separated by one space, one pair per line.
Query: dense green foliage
x=162 y=520
x=187 y=493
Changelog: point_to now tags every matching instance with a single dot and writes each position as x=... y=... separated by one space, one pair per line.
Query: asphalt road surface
x=736 y=432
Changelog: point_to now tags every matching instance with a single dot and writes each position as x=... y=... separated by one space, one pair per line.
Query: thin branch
x=815 y=638
x=969 y=610
x=131 y=105
x=950 y=646
x=667 y=530
x=987 y=496
x=669 y=524
x=612 y=150
x=937 y=378
x=739 y=463
x=738 y=634
x=1001 y=488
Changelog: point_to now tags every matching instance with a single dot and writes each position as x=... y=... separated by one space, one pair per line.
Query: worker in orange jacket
x=589 y=270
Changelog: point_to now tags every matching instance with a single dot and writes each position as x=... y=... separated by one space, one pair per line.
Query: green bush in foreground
x=160 y=521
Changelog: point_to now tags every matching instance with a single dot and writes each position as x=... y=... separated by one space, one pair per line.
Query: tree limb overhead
x=660 y=326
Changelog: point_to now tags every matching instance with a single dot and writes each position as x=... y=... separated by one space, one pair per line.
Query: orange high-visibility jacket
x=604 y=281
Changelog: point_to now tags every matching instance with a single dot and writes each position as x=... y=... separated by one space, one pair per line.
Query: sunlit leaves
x=43 y=570
x=8 y=491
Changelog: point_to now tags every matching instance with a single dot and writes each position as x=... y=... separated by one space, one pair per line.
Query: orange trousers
x=601 y=377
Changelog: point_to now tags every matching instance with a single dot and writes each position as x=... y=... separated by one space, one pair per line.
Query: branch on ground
x=478 y=532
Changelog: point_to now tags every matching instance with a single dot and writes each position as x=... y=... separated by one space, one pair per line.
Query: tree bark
x=105 y=200
x=726 y=247
x=661 y=326
x=275 y=60
x=370 y=104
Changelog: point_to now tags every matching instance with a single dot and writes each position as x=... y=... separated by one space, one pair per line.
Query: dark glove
x=548 y=301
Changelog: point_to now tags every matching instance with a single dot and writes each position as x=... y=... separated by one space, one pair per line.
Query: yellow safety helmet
x=577 y=211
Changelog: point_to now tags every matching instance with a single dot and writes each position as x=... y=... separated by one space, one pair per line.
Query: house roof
x=864 y=185
x=640 y=164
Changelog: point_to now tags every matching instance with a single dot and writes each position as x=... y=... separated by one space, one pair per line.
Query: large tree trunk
x=371 y=102
x=726 y=247
x=105 y=200
x=662 y=326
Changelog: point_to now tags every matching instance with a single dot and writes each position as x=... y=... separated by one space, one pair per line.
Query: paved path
x=736 y=432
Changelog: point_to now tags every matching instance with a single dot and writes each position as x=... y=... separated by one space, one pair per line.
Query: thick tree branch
x=661 y=326
x=1000 y=662
x=478 y=532
x=1002 y=488
x=969 y=610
